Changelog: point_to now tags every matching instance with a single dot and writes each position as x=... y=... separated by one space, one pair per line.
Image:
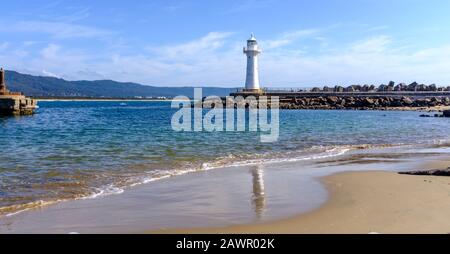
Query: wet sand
x=366 y=202
x=315 y=195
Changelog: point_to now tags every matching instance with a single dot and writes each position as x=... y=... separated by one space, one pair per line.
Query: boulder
x=446 y=101
x=332 y=99
x=432 y=87
x=446 y=113
x=397 y=103
x=433 y=172
x=406 y=101
x=368 y=102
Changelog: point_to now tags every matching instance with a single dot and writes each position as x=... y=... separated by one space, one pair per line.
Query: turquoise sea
x=79 y=150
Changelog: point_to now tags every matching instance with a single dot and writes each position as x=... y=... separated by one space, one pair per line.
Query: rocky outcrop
x=433 y=172
x=364 y=102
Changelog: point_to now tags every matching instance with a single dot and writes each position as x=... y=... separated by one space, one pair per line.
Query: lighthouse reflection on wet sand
x=252 y=51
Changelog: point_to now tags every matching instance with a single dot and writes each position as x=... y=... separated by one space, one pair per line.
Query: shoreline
x=12 y=210
x=9 y=211
x=244 y=199
x=362 y=202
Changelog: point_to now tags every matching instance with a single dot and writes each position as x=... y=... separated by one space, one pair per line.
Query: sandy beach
x=366 y=202
x=359 y=192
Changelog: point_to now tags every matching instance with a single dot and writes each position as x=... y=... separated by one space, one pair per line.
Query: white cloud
x=78 y=14
x=174 y=7
x=57 y=30
x=374 y=60
x=30 y=43
x=50 y=74
x=20 y=53
x=378 y=28
x=51 y=59
x=4 y=45
x=287 y=38
x=216 y=59
x=376 y=44
x=204 y=45
x=250 y=5
x=51 y=51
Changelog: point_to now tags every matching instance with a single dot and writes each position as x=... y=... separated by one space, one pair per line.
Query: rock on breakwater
x=446 y=113
x=362 y=102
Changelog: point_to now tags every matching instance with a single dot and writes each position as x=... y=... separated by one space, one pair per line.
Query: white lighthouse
x=252 y=51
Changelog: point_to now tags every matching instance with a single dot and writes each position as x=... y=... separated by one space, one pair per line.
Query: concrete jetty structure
x=252 y=78
x=14 y=103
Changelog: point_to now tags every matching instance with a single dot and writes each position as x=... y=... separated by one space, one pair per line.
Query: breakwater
x=356 y=100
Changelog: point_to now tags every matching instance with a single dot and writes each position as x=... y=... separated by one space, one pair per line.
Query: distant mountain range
x=38 y=86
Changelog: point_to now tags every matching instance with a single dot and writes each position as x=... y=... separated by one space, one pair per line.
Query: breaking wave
x=118 y=187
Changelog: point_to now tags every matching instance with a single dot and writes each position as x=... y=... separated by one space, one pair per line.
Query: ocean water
x=81 y=150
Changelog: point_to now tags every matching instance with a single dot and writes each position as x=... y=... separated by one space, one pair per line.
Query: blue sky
x=199 y=43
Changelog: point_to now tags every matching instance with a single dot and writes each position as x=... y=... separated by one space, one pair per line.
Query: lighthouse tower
x=252 y=51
